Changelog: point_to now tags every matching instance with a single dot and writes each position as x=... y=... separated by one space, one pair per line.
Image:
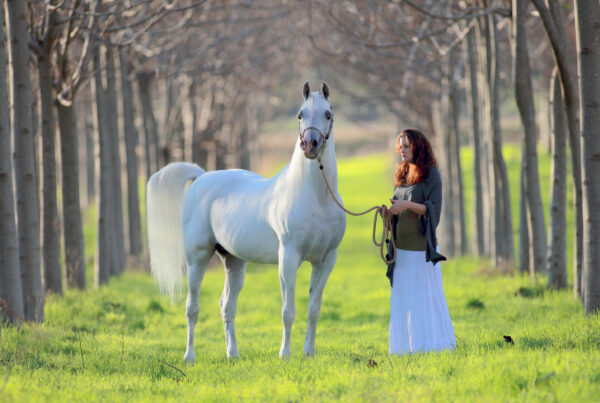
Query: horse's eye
x=299 y=115
x=327 y=115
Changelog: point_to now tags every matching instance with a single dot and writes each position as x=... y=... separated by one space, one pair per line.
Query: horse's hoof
x=189 y=358
x=284 y=354
x=234 y=355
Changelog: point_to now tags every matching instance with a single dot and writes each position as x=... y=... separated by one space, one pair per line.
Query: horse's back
x=230 y=208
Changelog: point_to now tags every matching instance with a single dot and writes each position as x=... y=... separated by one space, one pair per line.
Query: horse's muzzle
x=311 y=143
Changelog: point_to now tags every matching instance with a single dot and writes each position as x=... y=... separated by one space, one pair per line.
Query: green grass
x=112 y=343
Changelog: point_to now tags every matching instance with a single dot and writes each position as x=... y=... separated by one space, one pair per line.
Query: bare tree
x=551 y=15
x=478 y=233
x=50 y=224
x=557 y=238
x=524 y=97
x=133 y=203
x=151 y=144
x=113 y=136
x=26 y=192
x=11 y=292
x=587 y=21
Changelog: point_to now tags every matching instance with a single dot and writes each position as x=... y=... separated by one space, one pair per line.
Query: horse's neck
x=305 y=175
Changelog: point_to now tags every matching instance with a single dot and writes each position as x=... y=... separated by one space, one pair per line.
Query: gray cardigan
x=431 y=193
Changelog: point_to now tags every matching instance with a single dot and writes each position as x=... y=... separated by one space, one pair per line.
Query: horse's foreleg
x=318 y=279
x=195 y=276
x=289 y=260
x=235 y=270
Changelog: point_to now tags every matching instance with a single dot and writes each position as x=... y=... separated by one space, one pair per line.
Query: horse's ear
x=306 y=90
x=325 y=90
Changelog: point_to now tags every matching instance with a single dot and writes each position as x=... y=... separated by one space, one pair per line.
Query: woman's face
x=404 y=149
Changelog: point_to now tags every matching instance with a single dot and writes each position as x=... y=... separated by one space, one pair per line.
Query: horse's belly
x=244 y=234
x=252 y=245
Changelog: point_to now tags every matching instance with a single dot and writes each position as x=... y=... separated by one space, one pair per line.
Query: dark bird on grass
x=371 y=363
x=508 y=339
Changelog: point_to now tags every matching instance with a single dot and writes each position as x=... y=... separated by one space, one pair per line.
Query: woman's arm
x=398 y=206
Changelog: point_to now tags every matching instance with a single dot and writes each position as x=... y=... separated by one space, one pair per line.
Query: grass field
x=125 y=342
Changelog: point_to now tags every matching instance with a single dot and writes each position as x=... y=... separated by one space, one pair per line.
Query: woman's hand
x=398 y=206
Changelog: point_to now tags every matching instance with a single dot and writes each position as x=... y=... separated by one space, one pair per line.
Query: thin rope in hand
x=381 y=211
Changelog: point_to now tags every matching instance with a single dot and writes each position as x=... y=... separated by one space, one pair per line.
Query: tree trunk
x=131 y=141
x=11 y=291
x=557 y=244
x=150 y=128
x=50 y=224
x=524 y=97
x=587 y=20
x=502 y=208
x=90 y=162
x=112 y=116
x=189 y=115
x=105 y=257
x=27 y=198
x=484 y=71
x=525 y=260
x=200 y=141
x=553 y=23
x=460 y=232
x=440 y=117
x=478 y=233
x=72 y=223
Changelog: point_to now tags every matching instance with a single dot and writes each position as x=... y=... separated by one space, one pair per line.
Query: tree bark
x=200 y=141
x=11 y=291
x=152 y=149
x=50 y=224
x=131 y=141
x=503 y=210
x=26 y=192
x=440 y=116
x=524 y=98
x=587 y=21
x=525 y=259
x=553 y=23
x=90 y=162
x=557 y=244
x=189 y=115
x=72 y=223
x=105 y=257
x=112 y=116
x=478 y=233
x=460 y=233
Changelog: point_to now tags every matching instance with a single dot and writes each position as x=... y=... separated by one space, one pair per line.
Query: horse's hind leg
x=196 y=271
x=235 y=270
x=318 y=279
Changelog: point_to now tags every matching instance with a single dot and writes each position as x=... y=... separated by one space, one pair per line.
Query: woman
x=419 y=318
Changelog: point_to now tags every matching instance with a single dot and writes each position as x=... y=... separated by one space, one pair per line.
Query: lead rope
x=386 y=217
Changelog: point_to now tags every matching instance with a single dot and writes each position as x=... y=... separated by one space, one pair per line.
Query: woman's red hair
x=409 y=173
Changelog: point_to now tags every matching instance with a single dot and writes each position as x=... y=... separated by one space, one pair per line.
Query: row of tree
x=124 y=87
x=433 y=62
x=87 y=77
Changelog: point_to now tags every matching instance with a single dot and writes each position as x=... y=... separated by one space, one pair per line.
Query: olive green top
x=410 y=231
x=408 y=236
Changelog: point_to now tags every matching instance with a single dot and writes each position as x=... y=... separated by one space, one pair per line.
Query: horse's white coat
x=286 y=219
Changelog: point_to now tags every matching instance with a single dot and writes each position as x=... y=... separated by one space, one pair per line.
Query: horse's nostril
x=314 y=143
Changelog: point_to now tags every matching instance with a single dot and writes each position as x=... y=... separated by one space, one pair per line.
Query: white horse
x=244 y=217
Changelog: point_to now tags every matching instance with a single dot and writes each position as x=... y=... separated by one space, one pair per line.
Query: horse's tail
x=165 y=192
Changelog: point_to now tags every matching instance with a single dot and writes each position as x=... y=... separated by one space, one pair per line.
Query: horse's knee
x=313 y=312
x=288 y=315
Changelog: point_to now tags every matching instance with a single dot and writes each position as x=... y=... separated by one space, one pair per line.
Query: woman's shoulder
x=433 y=175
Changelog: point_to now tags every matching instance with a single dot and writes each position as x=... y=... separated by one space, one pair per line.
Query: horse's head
x=316 y=121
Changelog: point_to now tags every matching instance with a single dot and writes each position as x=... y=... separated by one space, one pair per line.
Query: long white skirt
x=419 y=317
